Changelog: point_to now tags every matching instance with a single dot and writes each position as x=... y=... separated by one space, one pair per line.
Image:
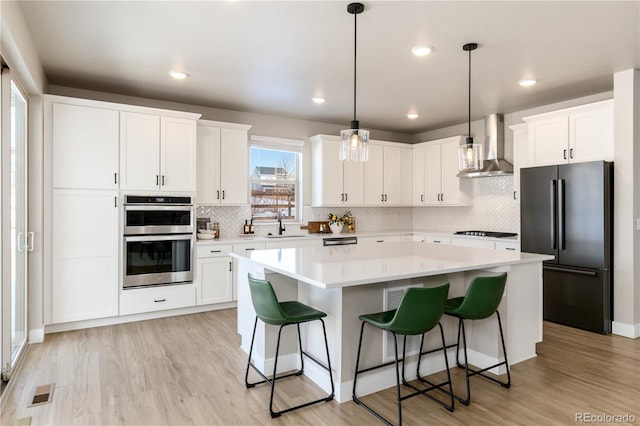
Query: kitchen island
x=347 y=281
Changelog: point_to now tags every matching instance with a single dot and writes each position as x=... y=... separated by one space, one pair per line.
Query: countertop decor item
x=354 y=141
x=336 y=227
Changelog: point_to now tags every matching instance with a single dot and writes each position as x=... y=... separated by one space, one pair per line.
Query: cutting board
x=314 y=227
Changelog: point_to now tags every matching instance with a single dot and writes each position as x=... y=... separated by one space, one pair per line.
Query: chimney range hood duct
x=493 y=164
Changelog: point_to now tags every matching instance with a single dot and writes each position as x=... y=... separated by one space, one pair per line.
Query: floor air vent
x=42 y=395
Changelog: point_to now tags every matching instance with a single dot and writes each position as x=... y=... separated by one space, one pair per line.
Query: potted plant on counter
x=337 y=223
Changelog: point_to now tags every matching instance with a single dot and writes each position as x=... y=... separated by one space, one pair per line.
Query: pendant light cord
x=355 y=62
x=469 y=133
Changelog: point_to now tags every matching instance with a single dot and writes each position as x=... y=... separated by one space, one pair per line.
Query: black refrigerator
x=567 y=211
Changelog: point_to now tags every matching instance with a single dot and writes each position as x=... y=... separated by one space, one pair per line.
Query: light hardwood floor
x=190 y=370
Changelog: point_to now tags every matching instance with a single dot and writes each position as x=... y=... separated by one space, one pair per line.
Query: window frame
x=295 y=146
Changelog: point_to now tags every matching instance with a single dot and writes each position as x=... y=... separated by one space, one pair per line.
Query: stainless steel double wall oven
x=158 y=240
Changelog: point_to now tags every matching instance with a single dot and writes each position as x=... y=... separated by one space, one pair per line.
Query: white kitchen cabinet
x=293 y=243
x=419 y=179
x=223 y=163
x=437 y=239
x=157 y=152
x=441 y=185
x=84 y=256
x=157 y=298
x=508 y=245
x=573 y=135
x=520 y=152
x=473 y=242
x=214 y=276
x=84 y=143
x=335 y=182
x=385 y=178
x=406 y=175
x=379 y=239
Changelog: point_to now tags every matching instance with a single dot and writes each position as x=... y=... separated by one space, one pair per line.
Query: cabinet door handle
x=510 y=248
x=421 y=198
x=218 y=195
x=346 y=197
x=379 y=241
x=564 y=154
x=215 y=251
x=514 y=195
x=382 y=197
x=249 y=249
x=571 y=153
x=436 y=241
x=159 y=300
x=157 y=180
x=223 y=194
x=162 y=180
x=115 y=178
x=441 y=197
x=30 y=237
x=229 y=266
x=115 y=201
x=385 y=198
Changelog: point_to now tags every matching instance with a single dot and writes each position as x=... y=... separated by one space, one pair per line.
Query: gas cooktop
x=493 y=234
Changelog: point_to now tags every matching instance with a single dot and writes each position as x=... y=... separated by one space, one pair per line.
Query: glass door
x=16 y=240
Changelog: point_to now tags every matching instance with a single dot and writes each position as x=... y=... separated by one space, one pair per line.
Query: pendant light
x=470 y=155
x=354 y=144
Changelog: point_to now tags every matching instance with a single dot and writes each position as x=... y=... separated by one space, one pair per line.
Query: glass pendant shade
x=354 y=145
x=470 y=156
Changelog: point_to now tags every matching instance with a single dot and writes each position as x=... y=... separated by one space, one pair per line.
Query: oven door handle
x=155 y=207
x=164 y=237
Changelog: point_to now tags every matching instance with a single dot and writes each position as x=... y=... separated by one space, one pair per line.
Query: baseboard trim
x=625 y=330
x=101 y=322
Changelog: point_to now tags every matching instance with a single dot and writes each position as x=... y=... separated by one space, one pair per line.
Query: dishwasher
x=339 y=241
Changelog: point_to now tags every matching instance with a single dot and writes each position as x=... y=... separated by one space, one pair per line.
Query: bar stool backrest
x=483 y=297
x=420 y=310
x=265 y=302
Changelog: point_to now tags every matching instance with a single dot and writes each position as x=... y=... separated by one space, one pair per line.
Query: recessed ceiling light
x=421 y=50
x=178 y=75
x=527 y=82
x=412 y=115
x=319 y=99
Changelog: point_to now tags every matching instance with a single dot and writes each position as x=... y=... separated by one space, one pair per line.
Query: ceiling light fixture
x=354 y=141
x=421 y=50
x=178 y=75
x=412 y=115
x=319 y=99
x=470 y=155
x=527 y=82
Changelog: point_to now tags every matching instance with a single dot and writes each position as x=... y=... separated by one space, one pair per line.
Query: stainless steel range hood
x=494 y=164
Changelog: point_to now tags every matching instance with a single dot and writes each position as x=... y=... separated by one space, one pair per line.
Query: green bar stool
x=281 y=314
x=481 y=301
x=419 y=311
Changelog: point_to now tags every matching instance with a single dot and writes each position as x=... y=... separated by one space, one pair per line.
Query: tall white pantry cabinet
x=83 y=154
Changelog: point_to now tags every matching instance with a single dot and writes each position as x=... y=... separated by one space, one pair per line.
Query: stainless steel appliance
x=566 y=211
x=158 y=240
x=492 y=234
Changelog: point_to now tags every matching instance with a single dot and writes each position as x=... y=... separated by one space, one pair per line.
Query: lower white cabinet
x=473 y=242
x=383 y=239
x=433 y=239
x=150 y=299
x=84 y=256
x=508 y=245
x=214 y=276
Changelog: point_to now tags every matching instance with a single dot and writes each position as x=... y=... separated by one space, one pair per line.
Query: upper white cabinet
x=223 y=163
x=572 y=135
x=157 y=152
x=387 y=175
x=335 y=182
x=84 y=143
x=435 y=169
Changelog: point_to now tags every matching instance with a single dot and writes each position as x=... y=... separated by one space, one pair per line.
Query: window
x=274 y=176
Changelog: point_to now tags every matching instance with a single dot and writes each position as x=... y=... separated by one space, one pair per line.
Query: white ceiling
x=272 y=57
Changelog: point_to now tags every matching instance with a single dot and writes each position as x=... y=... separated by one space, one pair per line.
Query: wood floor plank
x=190 y=370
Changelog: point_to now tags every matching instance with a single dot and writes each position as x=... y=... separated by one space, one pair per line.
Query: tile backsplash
x=493 y=209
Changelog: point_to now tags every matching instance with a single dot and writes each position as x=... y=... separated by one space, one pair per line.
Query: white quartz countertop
x=344 y=266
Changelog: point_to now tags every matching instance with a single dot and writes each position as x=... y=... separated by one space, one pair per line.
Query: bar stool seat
x=480 y=302
x=281 y=314
x=419 y=311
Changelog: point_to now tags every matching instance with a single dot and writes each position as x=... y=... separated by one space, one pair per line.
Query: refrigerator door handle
x=561 y=218
x=552 y=211
x=571 y=271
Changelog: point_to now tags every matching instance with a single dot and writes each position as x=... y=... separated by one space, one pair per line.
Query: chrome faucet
x=281 y=227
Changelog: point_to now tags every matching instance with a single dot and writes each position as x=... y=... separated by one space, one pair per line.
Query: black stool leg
x=326 y=346
x=504 y=352
x=273 y=378
x=249 y=364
